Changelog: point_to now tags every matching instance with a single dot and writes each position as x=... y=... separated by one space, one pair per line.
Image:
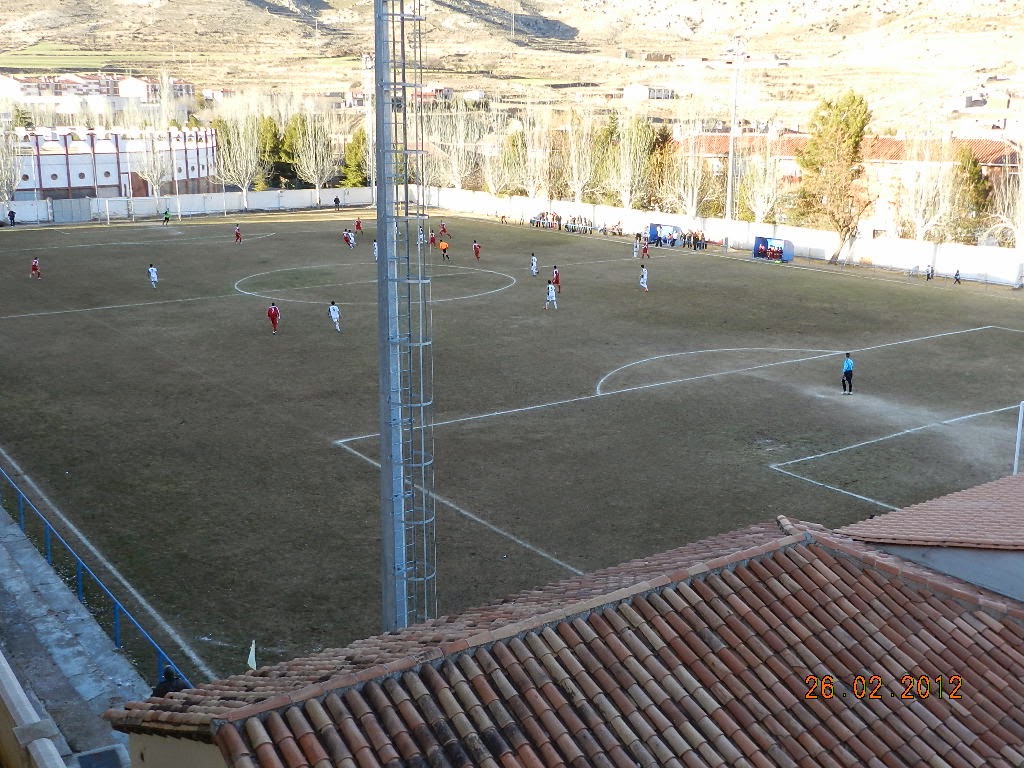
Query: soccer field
x=229 y=474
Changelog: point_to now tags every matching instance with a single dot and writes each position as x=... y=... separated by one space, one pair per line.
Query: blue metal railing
x=89 y=588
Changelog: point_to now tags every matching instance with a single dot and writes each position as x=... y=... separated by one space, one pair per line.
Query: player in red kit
x=476 y=250
x=556 y=278
x=443 y=230
x=273 y=314
x=35 y=269
x=238 y=233
x=433 y=239
x=644 y=252
x=359 y=226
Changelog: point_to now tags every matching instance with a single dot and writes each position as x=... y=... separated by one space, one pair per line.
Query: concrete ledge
x=32 y=745
x=40 y=729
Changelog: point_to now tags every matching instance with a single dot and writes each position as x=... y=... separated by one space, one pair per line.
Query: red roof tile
x=989 y=516
x=789 y=654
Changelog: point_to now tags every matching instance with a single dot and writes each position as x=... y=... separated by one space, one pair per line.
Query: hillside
x=906 y=56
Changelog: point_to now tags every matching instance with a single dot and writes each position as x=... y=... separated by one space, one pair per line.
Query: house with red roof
x=782 y=644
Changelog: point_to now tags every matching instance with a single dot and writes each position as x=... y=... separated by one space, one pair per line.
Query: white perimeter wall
x=980 y=263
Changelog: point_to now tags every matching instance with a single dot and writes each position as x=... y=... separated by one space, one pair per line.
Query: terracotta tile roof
x=189 y=713
x=989 y=516
x=699 y=665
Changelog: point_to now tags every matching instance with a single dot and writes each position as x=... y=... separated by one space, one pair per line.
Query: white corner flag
x=252 y=655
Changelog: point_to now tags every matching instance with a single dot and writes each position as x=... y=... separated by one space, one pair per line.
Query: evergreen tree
x=354 y=170
x=269 y=150
x=831 y=192
x=972 y=198
x=22 y=118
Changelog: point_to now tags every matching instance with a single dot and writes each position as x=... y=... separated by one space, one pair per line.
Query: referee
x=848 y=375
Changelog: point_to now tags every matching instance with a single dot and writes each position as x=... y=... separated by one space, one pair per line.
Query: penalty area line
x=472 y=517
x=780 y=466
x=176 y=638
x=116 y=306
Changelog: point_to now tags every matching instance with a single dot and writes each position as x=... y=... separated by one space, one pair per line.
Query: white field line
x=779 y=466
x=110 y=568
x=258 y=236
x=600 y=384
x=116 y=306
x=894 y=435
x=599 y=394
x=835 y=488
x=271 y=297
x=470 y=516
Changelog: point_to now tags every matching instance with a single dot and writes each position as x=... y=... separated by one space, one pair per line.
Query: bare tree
x=693 y=182
x=153 y=165
x=493 y=161
x=537 y=144
x=580 y=153
x=928 y=189
x=315 y=159
x=238 y=155
x=760 y=179
x=627 y=171
x=10 y=166
x=455 y=131
x=168 y=102
x=1007 y=208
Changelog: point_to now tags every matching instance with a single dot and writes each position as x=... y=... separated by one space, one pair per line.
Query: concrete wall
x=163 y=752
x=225 y=203
x=998 y=570
x=26 y=740
x=989 y=264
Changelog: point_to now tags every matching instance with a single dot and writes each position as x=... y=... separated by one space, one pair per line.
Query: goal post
x=1016 y=445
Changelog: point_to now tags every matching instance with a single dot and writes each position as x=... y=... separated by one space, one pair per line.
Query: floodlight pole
x=405 y=392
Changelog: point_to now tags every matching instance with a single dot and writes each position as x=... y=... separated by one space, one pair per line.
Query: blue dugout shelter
x=772 y=249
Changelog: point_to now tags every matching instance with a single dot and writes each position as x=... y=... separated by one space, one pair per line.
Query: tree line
x=624 y=159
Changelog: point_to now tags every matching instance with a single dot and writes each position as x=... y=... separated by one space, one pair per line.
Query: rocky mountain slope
x=911 y=58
